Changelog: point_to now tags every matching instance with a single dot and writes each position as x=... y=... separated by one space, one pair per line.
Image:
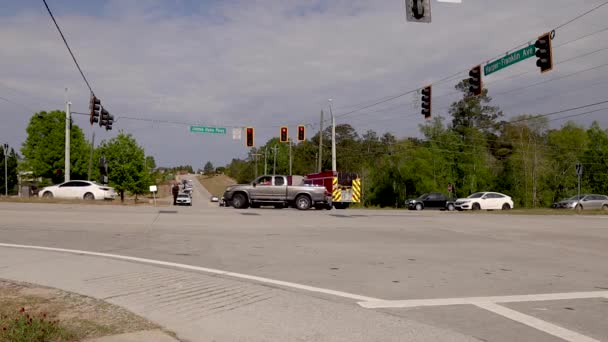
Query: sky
x=270 y=63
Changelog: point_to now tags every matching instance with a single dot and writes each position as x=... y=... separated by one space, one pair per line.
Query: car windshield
x=183 y=196
x=476 y=195
x=423 y=196
x=574 y=198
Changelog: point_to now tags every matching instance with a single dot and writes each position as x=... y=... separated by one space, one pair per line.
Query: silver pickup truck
x=277 y=191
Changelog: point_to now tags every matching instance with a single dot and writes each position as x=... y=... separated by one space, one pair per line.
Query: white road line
x=201 y=269
x=536 y=323
x=474 y=300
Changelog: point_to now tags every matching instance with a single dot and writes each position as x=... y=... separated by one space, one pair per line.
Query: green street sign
x=205 y=129
x=510 y=59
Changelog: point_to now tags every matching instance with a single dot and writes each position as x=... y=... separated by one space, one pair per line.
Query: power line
x=386 y=99
x=580 y=16
x=17 y=104
x=68 y=46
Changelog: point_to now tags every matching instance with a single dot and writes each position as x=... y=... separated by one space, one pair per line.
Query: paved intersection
x=398 y=262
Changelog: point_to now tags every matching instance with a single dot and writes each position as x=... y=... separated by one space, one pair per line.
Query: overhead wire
x=386 y=99
x=68 y=47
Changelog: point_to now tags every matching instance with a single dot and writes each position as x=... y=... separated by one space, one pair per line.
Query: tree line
x=473 y=147
x=129 y=170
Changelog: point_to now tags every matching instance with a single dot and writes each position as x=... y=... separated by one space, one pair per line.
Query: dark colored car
x=431 y=200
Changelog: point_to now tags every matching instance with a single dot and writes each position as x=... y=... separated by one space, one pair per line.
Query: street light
x=5 y=150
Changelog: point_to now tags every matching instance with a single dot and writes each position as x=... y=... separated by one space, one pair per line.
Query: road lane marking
x=535 y=323
x=474 y=300
x=201 y=269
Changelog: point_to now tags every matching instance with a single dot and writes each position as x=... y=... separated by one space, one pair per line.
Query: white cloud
x=266 y=63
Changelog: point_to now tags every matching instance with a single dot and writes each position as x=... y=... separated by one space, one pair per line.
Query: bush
x=23 y=327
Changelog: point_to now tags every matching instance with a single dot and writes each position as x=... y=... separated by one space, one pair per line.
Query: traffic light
x=284 y=135
x=109 y=122
x=475 y=83
x=94 y=107
x=301 y=133
x=104 y=116
x=426 y=101
x=249 y=139
x=544 y=53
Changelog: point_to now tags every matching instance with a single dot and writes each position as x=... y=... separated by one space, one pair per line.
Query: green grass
x=216 y=184
x=22 y=326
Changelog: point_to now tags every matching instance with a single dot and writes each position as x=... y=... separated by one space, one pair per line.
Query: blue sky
x=267 y=63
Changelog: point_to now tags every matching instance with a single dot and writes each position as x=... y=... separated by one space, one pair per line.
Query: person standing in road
x=175 y=191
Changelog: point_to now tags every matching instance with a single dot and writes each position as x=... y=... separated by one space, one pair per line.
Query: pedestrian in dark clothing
x=175 y=191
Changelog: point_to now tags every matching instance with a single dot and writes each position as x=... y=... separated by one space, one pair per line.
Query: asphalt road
x=447 y=269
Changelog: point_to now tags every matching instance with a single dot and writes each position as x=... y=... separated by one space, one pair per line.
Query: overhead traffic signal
x=426 y=101
x=94 y=108
x=109 y=122
x=544 y=53
x=475 y=82
x=301 y=133
x=284 y=137
x=104 y=116
x=249 y=138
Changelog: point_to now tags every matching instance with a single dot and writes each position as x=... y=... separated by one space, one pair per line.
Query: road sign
x=236 y=134
x=418 y=11
x=450 y=187
x=510 y=59
x=205 y=129
x=579 y=169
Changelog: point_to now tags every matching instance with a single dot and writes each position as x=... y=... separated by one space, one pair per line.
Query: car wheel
x=578 y=207
x=605 y=207
x=418 y=206
x=506 y=206
x=476 y=206
x=451 y=207
x=89 y=196
x=239 y=201
x=47 y=194
x=303 y=202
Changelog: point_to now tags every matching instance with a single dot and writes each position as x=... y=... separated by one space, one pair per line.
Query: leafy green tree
x=474 y=112
x=44 y=147
x=567 y=146
x=126 y=164
x=208 y=168
x=595 y=160
x=150 y=163
x=11 y=168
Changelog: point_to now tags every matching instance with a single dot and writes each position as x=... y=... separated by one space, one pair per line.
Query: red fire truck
x=345 y=187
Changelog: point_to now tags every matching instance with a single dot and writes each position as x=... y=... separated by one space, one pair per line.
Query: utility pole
x=5 y=150
x=320 y=166
x=255 y=155
x=265 y=160
x=333 y=139
x=274 y=169
x=289 y=142
x=91 y=154
x=68 y=119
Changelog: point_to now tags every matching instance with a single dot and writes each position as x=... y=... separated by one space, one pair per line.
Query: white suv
x=78 y=189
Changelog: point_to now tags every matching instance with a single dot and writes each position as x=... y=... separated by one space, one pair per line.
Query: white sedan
x=78 y=189
x=484 y=200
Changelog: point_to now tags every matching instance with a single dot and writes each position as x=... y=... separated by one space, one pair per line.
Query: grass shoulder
x=35 y=313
